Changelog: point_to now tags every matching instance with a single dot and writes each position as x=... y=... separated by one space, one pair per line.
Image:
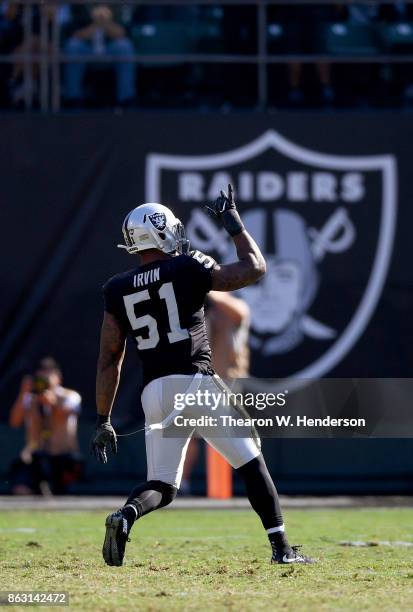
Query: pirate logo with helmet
x=325 y=224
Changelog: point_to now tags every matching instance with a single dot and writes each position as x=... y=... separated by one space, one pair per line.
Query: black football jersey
x=161 y=304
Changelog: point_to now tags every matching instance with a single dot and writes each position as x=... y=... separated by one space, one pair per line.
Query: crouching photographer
x=50 y=459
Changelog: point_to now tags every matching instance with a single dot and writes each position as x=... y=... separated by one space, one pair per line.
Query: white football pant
x=165 y=455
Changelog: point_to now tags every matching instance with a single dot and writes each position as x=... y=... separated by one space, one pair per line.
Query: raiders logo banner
x=325 y=224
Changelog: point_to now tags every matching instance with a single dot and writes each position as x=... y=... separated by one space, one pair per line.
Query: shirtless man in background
x=228 y=320
x=49 y=413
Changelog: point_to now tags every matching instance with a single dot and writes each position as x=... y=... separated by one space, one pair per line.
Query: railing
x=51 y=57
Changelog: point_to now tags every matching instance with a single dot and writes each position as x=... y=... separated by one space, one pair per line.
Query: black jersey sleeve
x=109 y=304
x=113 y=300
x=200 y=267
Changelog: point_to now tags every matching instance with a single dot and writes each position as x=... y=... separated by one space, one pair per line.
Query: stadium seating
x=276 y=38
x=397 y=37
x=162 y=38
x=351 y=39
x=176 y=37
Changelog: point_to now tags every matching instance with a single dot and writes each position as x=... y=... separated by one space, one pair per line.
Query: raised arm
x=112 y=351
x=16 y=417
x=251 y=263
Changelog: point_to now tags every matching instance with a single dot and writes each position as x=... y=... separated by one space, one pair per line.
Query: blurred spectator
x=32 y=44
x=11 y=31
x=394 y=75
x=10 y=36
x=101 y=36
x=49 y=412
x=240 y=29
x=362 y=13
x=102 y=30
x=323 y=71
x=397 y=11
x=304 y=34
x=228 y=321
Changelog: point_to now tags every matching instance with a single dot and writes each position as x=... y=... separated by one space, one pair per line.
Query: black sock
x=130 y=514
x=279 y=541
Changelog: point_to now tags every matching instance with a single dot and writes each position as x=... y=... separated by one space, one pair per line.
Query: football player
x=160 y=303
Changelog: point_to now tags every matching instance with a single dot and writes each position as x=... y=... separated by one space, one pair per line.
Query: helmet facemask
x=182 y=242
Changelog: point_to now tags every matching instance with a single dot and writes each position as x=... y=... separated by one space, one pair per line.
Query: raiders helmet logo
x=158 y=220
x=325 y=224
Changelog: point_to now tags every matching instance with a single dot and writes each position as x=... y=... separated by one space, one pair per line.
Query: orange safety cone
x=219 y=475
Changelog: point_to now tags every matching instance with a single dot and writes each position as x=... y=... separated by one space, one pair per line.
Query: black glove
x=104 y=435
x=225 y=210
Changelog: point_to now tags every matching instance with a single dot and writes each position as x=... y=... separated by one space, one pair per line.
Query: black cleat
x=289 y=555
x=117 y=534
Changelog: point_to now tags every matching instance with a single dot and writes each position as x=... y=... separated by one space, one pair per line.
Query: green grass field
x=212 y=560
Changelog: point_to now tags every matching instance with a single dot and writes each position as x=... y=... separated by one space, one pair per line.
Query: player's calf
x=148 y=497
x=263 y=497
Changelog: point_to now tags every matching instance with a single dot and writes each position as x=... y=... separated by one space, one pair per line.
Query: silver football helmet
x=153 y=226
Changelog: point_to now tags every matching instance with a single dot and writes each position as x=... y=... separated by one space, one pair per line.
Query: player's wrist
x=102 y=419
x=232 y=222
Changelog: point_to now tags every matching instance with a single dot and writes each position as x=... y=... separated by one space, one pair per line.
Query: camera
x=40 y=384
